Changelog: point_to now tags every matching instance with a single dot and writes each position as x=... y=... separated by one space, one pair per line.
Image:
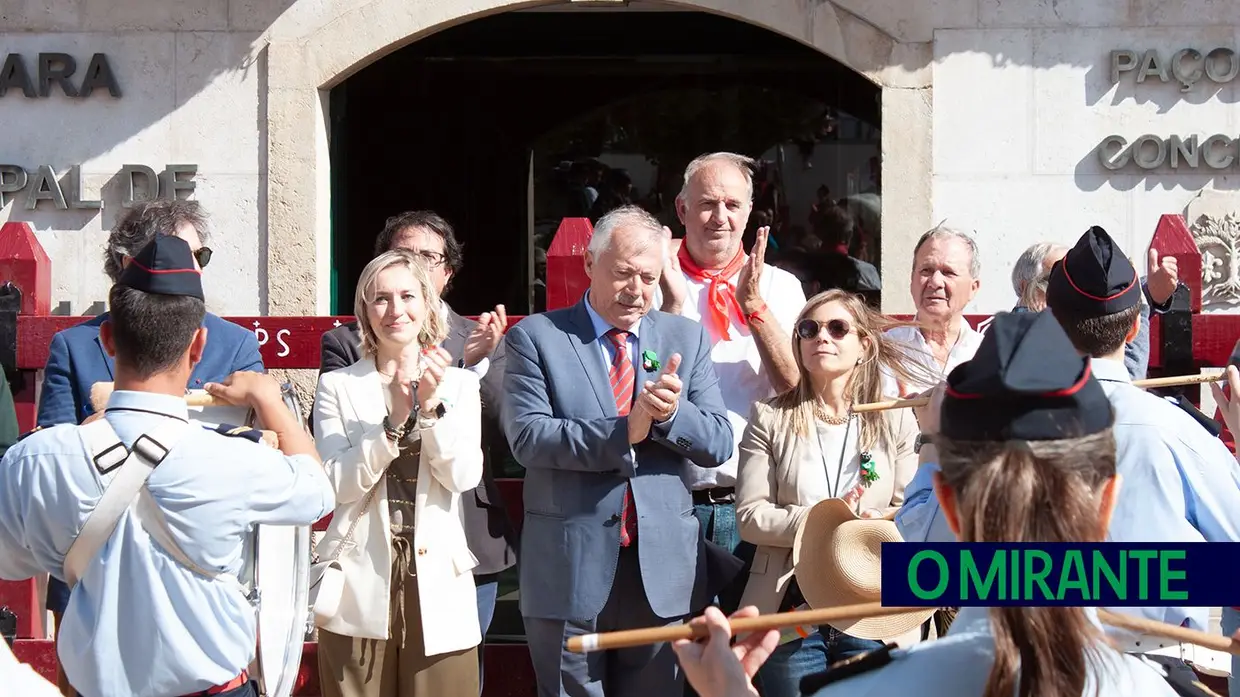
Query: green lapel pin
x=650 y=362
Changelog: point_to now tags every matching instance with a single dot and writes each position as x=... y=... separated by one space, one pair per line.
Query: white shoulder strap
x=123 y=473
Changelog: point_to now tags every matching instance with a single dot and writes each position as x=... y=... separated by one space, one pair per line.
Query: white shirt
x=743 y=379
x=963 y=350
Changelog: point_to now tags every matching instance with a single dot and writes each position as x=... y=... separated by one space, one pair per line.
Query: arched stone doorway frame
x=306 y=59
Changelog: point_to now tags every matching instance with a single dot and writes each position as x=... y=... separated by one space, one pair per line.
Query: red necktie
x=622 y=383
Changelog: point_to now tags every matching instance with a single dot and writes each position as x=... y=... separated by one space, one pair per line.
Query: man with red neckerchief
x=748 y=308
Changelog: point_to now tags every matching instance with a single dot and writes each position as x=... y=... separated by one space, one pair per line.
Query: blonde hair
x=794 y=409
x=434 y=328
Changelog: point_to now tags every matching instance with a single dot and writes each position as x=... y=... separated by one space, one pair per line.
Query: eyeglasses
x=433 y=259
x=810 y=328
x=203 y=256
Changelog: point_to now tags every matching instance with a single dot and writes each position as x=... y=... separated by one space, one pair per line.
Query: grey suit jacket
x=487 y=527
x=561 y=421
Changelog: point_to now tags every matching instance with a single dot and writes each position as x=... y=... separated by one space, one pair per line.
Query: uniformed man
x=156 y=611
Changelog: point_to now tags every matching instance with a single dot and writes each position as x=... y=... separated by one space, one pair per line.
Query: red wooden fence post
x=24 y=262
x=566 y=268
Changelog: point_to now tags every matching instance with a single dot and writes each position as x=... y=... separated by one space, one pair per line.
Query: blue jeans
x=718 y=524
x=488 y=591
x=781 y=675
x=1231 y=622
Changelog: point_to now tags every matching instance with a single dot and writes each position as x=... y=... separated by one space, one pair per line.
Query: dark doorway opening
x=483 y=122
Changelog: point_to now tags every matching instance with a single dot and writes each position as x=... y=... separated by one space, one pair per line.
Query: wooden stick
x=101 y=391
x=1148 y=383
x=655 y=635
x=1140 y=625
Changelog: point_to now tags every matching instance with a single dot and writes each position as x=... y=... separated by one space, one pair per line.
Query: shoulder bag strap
x=352 y=527
x=123 y=473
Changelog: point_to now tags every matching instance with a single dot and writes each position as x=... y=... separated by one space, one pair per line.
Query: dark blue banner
x=1110 y=574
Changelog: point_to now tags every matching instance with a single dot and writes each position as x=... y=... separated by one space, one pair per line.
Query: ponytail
x=1033 y=491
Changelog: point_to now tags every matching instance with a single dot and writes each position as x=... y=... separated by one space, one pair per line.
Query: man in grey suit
x=476 y=346
x=605 y=403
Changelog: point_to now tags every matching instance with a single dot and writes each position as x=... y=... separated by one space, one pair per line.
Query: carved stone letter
x=14 y=74
x=152 y=184
x=44 y=187
x=99 y=74
x=56 y=67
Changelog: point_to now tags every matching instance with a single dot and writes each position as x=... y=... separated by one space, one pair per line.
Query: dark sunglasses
x=810 y=329
x=203 y=255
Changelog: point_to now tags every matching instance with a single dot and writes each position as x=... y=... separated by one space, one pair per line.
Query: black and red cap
x=1026 y=382
x=165 y=266
x=1094 y=278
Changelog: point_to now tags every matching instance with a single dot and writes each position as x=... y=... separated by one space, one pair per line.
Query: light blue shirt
x=1178 y=483
x=958 y=665
x=138 y=624
x=608 y=352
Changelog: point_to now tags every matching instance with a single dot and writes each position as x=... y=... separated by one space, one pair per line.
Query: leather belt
x=717 y=495
x=233 y=684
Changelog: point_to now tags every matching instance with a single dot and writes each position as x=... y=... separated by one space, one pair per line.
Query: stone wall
x=993 y=110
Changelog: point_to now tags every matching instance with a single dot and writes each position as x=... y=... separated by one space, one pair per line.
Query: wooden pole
x=655 y=635
x=1148 y=383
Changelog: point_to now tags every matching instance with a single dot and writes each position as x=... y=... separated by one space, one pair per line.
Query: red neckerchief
x=721 y=304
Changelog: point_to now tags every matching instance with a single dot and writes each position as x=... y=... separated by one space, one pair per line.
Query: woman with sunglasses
x=806 y=445
x=1024 y=438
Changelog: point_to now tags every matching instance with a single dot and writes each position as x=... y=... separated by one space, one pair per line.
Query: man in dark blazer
x=76 y=359
x=605 y=404
x=476 y=346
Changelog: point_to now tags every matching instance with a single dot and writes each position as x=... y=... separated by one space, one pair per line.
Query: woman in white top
x=1027 y=455
x=400 y=436
x=807 y=445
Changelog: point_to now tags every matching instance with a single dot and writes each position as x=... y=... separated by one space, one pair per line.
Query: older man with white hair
x=747 y=306
x=605 y=404
x=946 y=275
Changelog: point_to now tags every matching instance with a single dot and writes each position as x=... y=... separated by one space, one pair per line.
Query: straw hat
x=836 y=557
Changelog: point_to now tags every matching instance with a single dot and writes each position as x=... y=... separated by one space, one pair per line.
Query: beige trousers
x=399 y=666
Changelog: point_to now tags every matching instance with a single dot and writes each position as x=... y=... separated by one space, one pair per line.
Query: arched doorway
x=494 y=122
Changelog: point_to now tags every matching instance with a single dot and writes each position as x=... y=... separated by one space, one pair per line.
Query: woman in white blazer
x=400 y=436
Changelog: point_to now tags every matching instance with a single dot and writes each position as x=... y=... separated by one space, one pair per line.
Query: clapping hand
x=1161 y=277
x=435 y=361
x=486 y=336
x=748 y=289
x=659 y=398
x=657 y=401
x=672 y=280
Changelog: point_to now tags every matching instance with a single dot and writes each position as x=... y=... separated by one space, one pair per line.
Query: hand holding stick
x=101 y=391
x=782 y=620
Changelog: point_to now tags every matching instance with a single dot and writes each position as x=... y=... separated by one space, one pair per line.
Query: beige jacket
x=772 y=499
x=349 y=407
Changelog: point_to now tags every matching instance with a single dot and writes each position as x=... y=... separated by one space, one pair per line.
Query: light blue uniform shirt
x=138 y=624
x=958 y=665
x=1178 y=483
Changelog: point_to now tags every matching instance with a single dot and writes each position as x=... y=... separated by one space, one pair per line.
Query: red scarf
x=721 y=304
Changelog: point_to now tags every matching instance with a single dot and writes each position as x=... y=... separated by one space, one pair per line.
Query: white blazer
x=349 y=407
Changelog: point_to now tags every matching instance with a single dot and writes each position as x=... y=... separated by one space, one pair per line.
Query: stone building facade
x=1021 y=119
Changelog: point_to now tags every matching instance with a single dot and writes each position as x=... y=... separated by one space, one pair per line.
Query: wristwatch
x=922 y=439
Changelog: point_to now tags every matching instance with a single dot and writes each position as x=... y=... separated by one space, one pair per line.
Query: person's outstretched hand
x=718 y=668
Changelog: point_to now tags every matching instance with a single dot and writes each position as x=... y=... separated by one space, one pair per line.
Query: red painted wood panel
x=509 y=672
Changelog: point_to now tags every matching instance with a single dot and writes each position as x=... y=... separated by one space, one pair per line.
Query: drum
x=276 y=574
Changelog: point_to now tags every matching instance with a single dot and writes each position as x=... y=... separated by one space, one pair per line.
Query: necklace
x=820 y=413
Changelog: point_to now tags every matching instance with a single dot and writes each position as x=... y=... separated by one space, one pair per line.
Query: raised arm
x=540 y=439
x=762 y=519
